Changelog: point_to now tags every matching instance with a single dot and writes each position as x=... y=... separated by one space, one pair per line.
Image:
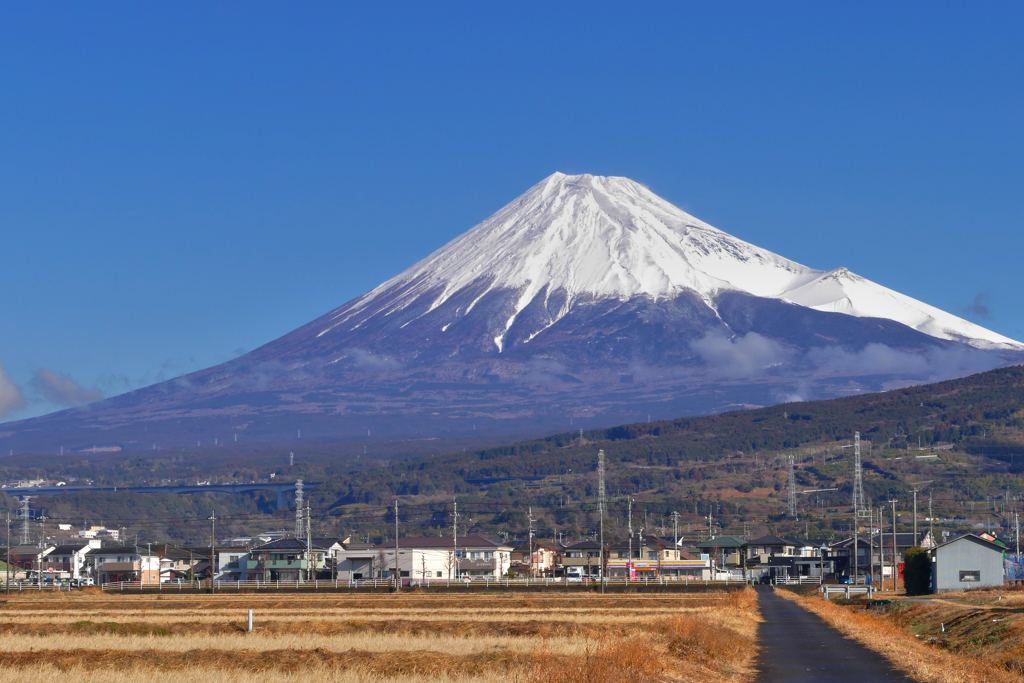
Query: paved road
x=798 y=647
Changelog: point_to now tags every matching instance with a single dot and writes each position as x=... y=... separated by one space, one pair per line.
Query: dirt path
x=798 y=647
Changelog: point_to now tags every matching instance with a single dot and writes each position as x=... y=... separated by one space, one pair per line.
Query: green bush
x=917 y=571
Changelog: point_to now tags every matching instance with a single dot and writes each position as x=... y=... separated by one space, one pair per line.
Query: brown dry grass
x=914 y=656
x=523 y=638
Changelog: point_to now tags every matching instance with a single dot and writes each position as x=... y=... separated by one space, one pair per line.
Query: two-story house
x=652 y=557
x=546 y=557
x=125 y=563
x=29 y=558
x=69 y=561
x=582 y=559
x=286 y=559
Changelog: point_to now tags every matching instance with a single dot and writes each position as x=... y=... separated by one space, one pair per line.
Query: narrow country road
x=798 y=647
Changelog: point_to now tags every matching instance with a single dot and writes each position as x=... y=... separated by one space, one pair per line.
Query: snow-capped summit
x=586 y=238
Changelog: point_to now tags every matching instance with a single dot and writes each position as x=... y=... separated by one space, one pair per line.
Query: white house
x=69 y=561
x=425 y=558
x=125 y=563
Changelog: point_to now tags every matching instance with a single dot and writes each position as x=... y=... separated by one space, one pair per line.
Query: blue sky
x=183 y=181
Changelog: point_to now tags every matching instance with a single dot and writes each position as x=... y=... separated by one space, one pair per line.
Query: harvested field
x=393 y=638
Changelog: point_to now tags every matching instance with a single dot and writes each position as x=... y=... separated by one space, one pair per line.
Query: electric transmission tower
x=792 y=489
x=859 y=502
x=299 y=533
x=26 y=514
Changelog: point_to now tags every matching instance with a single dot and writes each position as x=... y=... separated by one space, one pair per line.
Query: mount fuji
x=588 y=301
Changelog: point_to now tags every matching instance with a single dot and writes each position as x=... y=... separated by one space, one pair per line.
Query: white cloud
x=11 y=398
x=741 y=356
x=62 y=390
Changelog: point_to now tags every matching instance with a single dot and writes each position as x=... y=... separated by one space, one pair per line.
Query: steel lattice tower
x=299 y=532
x=26 y=514
x=859 y=503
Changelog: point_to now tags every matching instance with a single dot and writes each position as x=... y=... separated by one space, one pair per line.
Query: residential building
x=232 y=564
x=69 y=561
x=841 y=554
x=333 y=548
x=426 y=557
x=758 y=550
x=100 y=532
x=652 y=557
x=584 y=557
x=178 y=564
x=904 y=542
x=968 y=561
x=286 y=559
x=125 y=563
x=30 y=557
x=546 y=557
x=723 y=551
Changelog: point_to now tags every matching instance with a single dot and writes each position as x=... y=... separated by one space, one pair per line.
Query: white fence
x=846 y=591
x=478 y=581
x=797 y=580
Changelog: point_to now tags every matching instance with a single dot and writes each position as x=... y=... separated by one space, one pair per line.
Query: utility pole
x=455 y=538
x=895 y=576
x=531 y=520
x=915 y=516
x=931 y=519
x=675 y=529
x=309 y=543
x=213 y=542
x=792 y=489
x=600 y=510
x=7 y=558
x=398 y=581
x=882 y=552
x=1017 y=525
x=629 y=562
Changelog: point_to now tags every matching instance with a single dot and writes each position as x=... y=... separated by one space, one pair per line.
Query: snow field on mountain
x=597 y=237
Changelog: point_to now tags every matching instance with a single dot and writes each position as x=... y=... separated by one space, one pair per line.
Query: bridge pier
x=282 y=500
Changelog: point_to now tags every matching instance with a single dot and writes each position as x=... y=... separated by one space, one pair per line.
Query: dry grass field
x=514 y=637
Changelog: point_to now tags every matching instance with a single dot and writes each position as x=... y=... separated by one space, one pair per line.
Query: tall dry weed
x=694 y=639
x=605 y=661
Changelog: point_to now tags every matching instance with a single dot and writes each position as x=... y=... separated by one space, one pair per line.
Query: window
x=972 y=575
x=652 y=555
x=439 y=574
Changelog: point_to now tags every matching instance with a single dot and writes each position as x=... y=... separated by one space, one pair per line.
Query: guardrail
x=846 y=591
x=797 y=580
x=484 y=582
